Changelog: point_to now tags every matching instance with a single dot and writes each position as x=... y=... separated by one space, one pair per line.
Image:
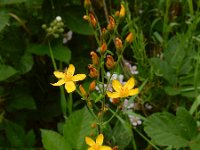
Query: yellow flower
x=123 y=91
x=98 y=144
x=68 y=78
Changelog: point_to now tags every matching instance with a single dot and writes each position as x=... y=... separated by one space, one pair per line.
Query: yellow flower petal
x=89 y=141
x=70 y=70
x=99 y=139
x=70 y=86
x=105 y=148
x=78 y=77
x=133 y=91
x=91 y=148
x=59 y=83
x=113 y=95
x=59 y=74
x=130 y=84
x=116 y=85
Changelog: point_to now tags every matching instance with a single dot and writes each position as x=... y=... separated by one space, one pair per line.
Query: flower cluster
x=56 y=27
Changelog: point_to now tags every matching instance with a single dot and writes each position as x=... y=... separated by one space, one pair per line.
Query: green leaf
x=162 y=68
x=52 y=140
x=61 y=53
x=6 y=72
x=195 y=144
x=77 y=128
x=186 y=124
x=172 y=91
x=73 y=19
x=30 y=139
x=9 y=2
x=4 y=17
x=15 y=134
x=122 y=135
x=166 y=129
x=25 y=63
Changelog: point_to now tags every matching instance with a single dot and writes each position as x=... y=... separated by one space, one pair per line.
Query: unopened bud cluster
x=55 y=28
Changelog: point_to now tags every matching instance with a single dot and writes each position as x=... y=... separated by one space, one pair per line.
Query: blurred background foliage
x=166 y=50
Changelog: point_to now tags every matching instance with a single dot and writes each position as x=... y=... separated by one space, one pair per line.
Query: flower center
x=124 y=92
x=96 y=146
x=68 y=77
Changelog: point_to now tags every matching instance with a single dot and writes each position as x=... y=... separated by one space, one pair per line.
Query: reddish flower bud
x=110 y=63
x=93 y=20
x=92 y=86
x=82 y=90
x=103 y=48
x=95 y=58
x=111 y=25
x=93 y=72
x=118 y=44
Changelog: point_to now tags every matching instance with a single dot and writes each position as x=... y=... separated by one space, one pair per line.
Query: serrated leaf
x=162 y=68
x=4 y=17
x=77 y=128
x=6 y=72
x=166 y=129
x=195 y=143
x=122 y=136
x=73 y=19
x=186 y=124
x=61 y=53
x=162 y=130
x=52 y=140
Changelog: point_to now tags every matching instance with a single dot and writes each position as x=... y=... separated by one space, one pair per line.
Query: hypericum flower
x=68 y=78
x=122 y=11
x=123 y=91
x=98 y=144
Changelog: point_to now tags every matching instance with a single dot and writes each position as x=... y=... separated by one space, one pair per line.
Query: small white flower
x=58 y=18
x=148 y=106
x=135 y=121
x=67 y=37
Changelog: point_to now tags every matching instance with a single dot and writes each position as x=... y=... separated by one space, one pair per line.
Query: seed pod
x=93 y=20
x=92 y=86
x=103 y=48
x=118 y=44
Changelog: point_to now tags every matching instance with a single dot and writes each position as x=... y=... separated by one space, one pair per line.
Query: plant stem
x=70 y=104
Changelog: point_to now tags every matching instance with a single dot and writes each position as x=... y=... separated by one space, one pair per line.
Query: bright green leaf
x=4 y=17
x=77 y=127
x=52 y=140
x=195 y=144
x=6 y=72
x=161 y=128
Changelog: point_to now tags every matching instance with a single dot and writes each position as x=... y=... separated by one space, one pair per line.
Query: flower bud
x=93 y=72
x=82 y=90
x=92 y=86
x=103 y=48
x=86 y=17
x=118 y=44
x=115 y=101
x=122 y=11
x=95 y=58
x=129 y=37
x=111 y=25
x=93 y=125
x=87 y=4
x=117 y=13
x=104 y=33
x=110 y=63
x=44 y=26
x=93 y=20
